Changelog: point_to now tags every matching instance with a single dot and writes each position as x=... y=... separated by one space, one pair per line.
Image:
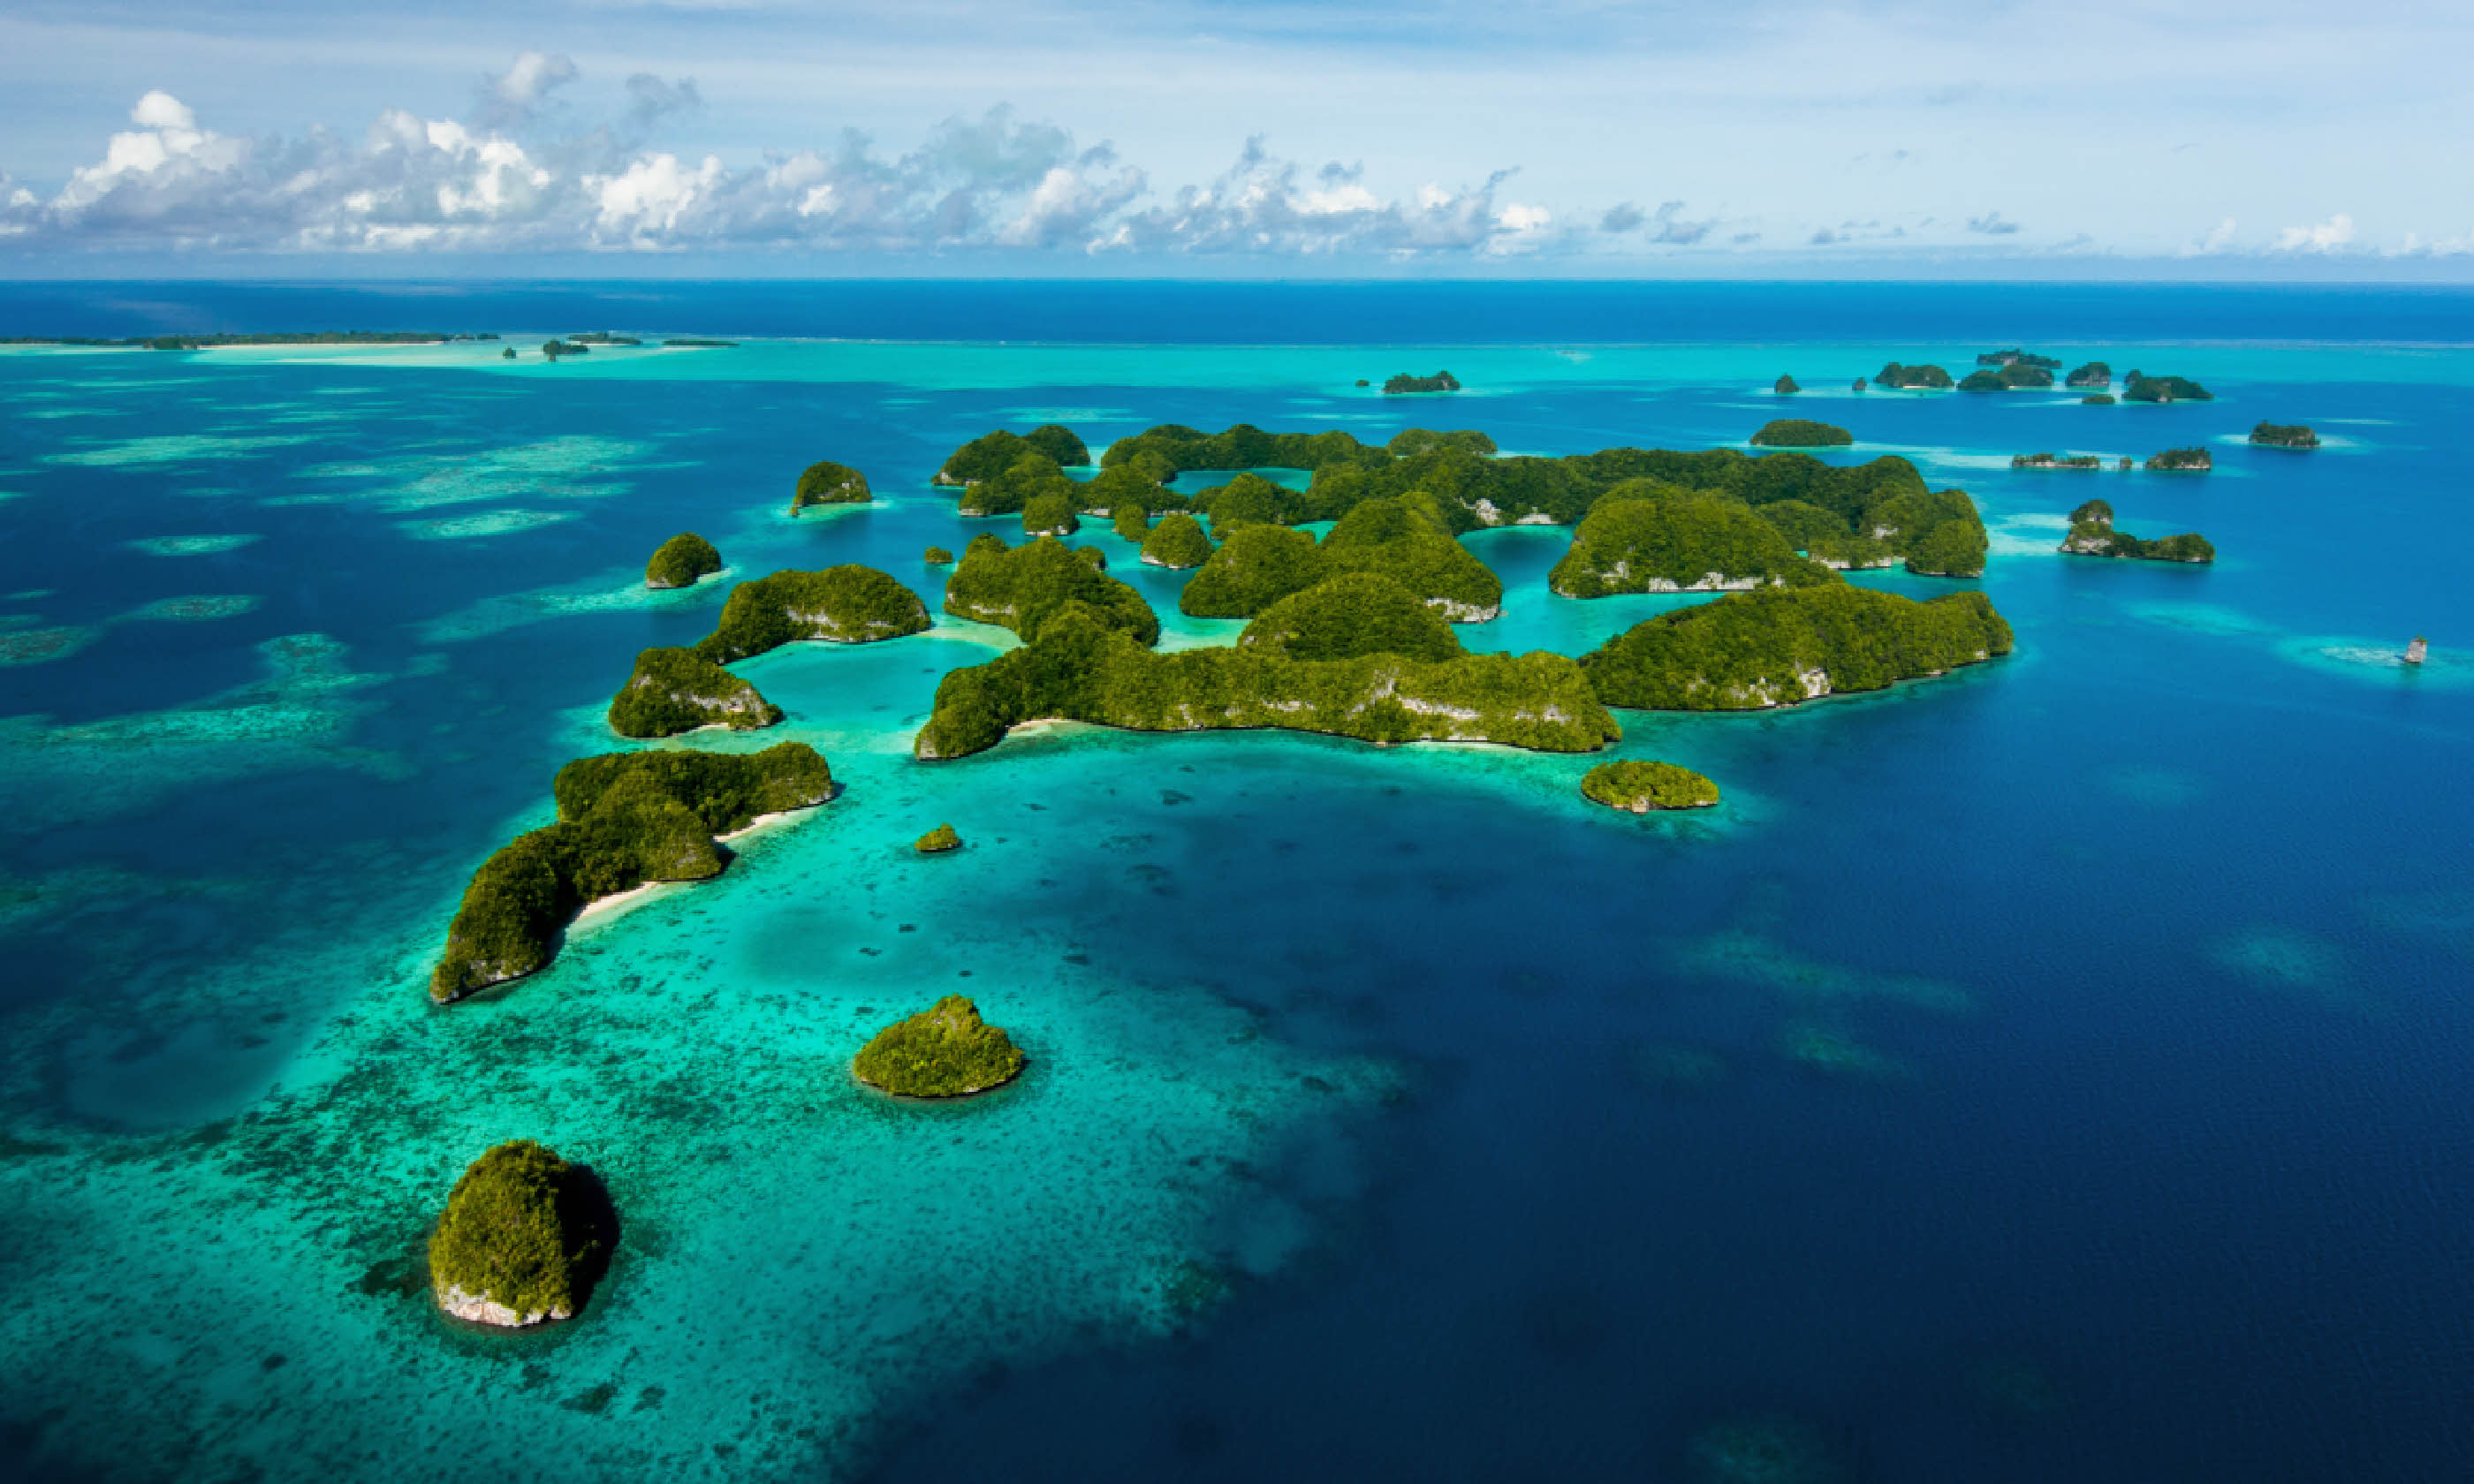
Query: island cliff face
x=514 y=1245
x=827 y=483
x=2092 y=535
x=1756 y=650
x=678 y=690
x=841 y=605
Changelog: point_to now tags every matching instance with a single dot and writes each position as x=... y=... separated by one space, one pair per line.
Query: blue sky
x=2185 y=138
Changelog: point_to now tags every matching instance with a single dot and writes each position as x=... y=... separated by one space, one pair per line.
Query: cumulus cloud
x=2326 y=237
x=1263 y=204
x=1992 y=225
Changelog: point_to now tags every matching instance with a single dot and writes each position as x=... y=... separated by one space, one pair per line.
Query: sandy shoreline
x=601 y=908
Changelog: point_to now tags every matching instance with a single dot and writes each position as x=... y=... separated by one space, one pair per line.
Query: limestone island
x=2092 y=535
x=1801 y=433
x=2191 y=460
x=1646 y=537
x=1407 y=539
x=2018 y=357
x=1640 y=786
x=2095 y=373
x=679 y=690
x=2018 y=376
x=1785 y=386
x=937 y=555
x=938 y=841
x=1131 y=521
x=1749 y=651
x=1913 y=379
x=1178 y=542
x=523 y=1236
x=1018 y=587
x=624 y=820
x=680 y=560
x=2284 y=434
x=945 y=1050
x=840 y=604
x=827 y=483
x=993 y=453
x=1860 y=385
x=2097 y=399
x=2139 y=386
x=1050 y=513
x=1440 y=381
x=552 y=349
x=2081 y=461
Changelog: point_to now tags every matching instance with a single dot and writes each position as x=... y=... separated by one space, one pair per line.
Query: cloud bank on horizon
x=1359 y=132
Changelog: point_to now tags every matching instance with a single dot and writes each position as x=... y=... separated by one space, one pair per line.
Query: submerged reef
x=517 y=1244
x=2190 y=461
x=938 y=841
x=943 y=1051
x=840 y=604
x=677 y=690
x=2139 y=386
x=1801 y=433
x=1407 y=540
x=2092 y=535
x=680 y=560
x=1019 y=587
x=1440 y=381
x=1177 y=542
x=1647 y=536
x=1749 y=651
x=624 y=819
x=1912 y=377
x=2284 y=434
x=990 y=454
x=1641 y=785
x=827 y=483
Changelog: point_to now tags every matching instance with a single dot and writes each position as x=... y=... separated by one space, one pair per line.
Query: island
x=1860 y=385
x=554 y=349
x=1405 y=537
x=827 y=483
x=2284 y=434
x=697 y=343
x=1021 y=588
x=945 y=1050
x=1639 y=787
x=602 y=338
x=1801 y=433
x=1921 y=378
x=2092 y=535
x=993 y=453
x=1050 y=513
x=2139 y=386
x=1350 y=615
x=1440 y=381
x=2097 y=399
x=679 y=690
x=937 y=555
x=1801 y=521
x=1132 y=520
x=1078 y=668
x=1178 y=542
x=1010 y=490
x=522 y=1238
x=1175 y=448
x=624 y=819
x=680 y=560
x=1749 y=651
x=508 y=354
x=2190 y=460
x=1785 y=386
x=2017 y=376
x=839 y=605
x=2018 y=357
x=2095 y=373
x=1647 y=536
x=2078 y=460
x=938 y=841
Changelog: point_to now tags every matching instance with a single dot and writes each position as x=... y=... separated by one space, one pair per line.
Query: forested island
x=1638 y=785
x=1801 y=433
x=1406 y=537
x=945 y=1050
x=1019 y=587
x=2018 y=357
x=2097 y=399
x=2092 y=535
x=1178 y=542
x=2015 y=376
x=939 y=841
x=2190 y=460
x=827 y=483
x=522 y=1239
x=1647 y=536
x=624 y=819
x=681 y=560
x=2095 y=373
x=1404 y=382
x=1748 y=651
x=679 y=690
x=2068 y=460
x=1917 y=378
x=2284 y=434
x=2139 y=386
x=841 y=605
x=1785 y=386
x=993 y=453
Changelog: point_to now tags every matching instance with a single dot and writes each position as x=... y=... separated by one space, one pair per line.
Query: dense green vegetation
x=1851 y=553
x=943 y=1051
x=937 y=555
x=517 y=1231
x=2097 y=399
x=1131 y=522
x=1078 y=669
x=1177 y=542
x=2092 y=535
x=1801 y=433
x=680 y=560
x=1937 y=531
x=2099 y=511
x=1010 y=490
x=1050 y=513
x=1403 y=539
x=1646 y=537
x=1244 y=447
x=846 y=604
x=2196 y=461
x=2095 y=373
x=1778 y=646
x=1784 y=386
x=2142 y=388
x=991 y=454
x=2014 y=377
x=603 y=338
x=2284 y=434
x=1801 y=522
x=1440 y=381
x=827 y=483
x=1411 y=442
x=2018 y=357
x=1019 y=587
x=1641 y=785
x=938 y=841
x=1355 y=613
x=1931 y=377
x=2079 y=461
x=624 y=819
x=677 y=690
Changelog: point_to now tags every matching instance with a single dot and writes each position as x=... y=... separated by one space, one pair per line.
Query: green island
x=937 y=555
x=1749 y=651
x=1178 y=542
x=938 y=841
x=2055 y=461
x=602 y=338
x=1404 y=382
x=2095 y=373
x=993 y=453
x=2139 y=386
x=680 y=560
x=1350 y=615
x=1801 y=433
x=2098 y=399
x=1021 y=588
x=1785 y=386
x=679 y=690
x=2015 y=356
x=1647 y=536
x=2092 y=535
x=624 y=820
x=841 y=605
x=1078 y=668
x=1406 y=539
x=1131 y=521
x=827 y=483
x=2284 y=434
x=2188 y=461
x=945 y=1050
x=522 y=1239
x=2014 y=376
x=1050 y=513
x=555 y=348
x=1641 y=785
x=1178 y=449
x=1011 y=489
x=698 y=342
x=1913 y=379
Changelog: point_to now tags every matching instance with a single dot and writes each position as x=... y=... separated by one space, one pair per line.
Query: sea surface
x=2057 y=1071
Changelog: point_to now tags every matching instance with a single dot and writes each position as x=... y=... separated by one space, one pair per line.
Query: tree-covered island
x=2077 y=461
x=993 y=453
x=2092 y=535
x=2139 y=386
x=2093 y=375
x=2284 y=434
x=1801 y=433
x=1050 y=513
x=1639 y=785
x=1748 y=651
x=2017 y=357
x=680 y=560
x=2017 y=376
x=2188 y=461
x=521 y=1239
x=1404 y=382
x=943 y=1051
x=1785 y=386
x=1019 y=587
x=841 y=605
x=938 y=841
x=1178 y=542
x=1406 y=539
x=827 y=483
x=1647 y=536
x=1915 y=378
x=679 y=690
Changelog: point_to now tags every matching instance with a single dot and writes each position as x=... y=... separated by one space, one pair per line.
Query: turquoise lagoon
x=2054 y=1072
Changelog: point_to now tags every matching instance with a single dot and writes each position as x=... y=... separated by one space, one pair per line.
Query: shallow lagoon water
x=2049 y=1073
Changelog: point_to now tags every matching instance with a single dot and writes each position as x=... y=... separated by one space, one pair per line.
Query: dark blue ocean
x=2057 y=1071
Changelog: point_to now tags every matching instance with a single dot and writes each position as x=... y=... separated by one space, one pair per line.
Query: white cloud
x=161 y=110
x=2220 y=238
x=2326 y=237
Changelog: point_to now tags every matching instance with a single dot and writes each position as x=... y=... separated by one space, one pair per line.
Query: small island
x=2284 y=434
x=1050 y=513
x=1785 y=386
x=554 y=349
x=1021 y=588
x=679 y=690
x=1350 y=615
x=2139 y=386
x=2017 y=376
x=827 y=483
x=1132 y=520
x=943 y=1051
x=2095 y=373
x=1640 y=786
x=1914 y=379
x=1860 y=385
x=2185 y=461
x=937 y=555
x=1440 y=381
x=1801 y=433
x=2097 y=399
x=521 y=1240
x=2077 y=461
x=2018 y=357
x=938 y=841
x=697 y=343
x=1749 y=651
x=840 y=604
x=2092 y=535
x=680 y=560
x=1177 y=542
x=993 y=453
x=1645 y=536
